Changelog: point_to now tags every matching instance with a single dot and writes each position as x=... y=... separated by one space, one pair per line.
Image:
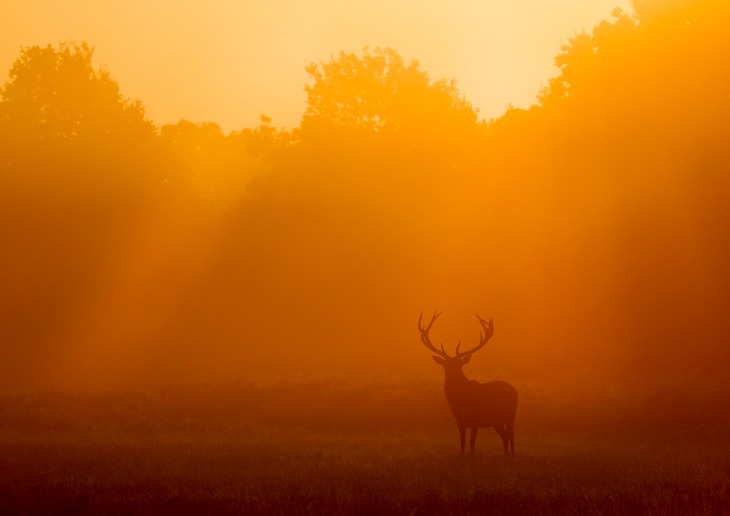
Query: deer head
x=452 y=364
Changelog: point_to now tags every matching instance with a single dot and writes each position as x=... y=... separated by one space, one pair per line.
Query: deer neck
x=455 y=385
x=455 y=380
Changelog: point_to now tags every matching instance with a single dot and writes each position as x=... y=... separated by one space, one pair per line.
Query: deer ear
x=438 y=360
x=465 y=359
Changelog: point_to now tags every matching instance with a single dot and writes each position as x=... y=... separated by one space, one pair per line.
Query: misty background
x=592 y=226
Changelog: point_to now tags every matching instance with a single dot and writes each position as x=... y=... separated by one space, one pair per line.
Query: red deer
x=474 y=405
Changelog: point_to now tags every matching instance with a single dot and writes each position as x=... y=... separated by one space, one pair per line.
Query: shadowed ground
x=346 y=445
x=263 y=470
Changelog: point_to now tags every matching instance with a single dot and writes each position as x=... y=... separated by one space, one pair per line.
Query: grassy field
x=366 y=446
x=278 y=471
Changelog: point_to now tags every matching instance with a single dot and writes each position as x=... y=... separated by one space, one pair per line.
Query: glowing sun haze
x=229 y=61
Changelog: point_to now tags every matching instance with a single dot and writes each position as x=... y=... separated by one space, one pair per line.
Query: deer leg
x=511 y=435
x=504 y=434
x=462 y=438
x=473 y=439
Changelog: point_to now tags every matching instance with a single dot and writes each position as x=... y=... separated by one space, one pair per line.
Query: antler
x=424 y=334
x=483 y=338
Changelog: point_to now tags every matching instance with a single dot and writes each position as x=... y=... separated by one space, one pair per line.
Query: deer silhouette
x=474 y=405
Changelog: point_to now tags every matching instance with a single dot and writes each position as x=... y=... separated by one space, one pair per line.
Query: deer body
x=475 y=405
x=481 y=405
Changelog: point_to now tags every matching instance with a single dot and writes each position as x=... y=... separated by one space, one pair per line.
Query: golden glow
x=591 y=226
x=228 y=62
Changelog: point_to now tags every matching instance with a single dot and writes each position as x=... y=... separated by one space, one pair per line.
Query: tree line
x=592 y=225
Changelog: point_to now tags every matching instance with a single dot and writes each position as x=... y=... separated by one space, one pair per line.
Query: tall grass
x=276 y=471
x=359 y=446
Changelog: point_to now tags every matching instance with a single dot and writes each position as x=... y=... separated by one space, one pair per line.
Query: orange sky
x=229 y=61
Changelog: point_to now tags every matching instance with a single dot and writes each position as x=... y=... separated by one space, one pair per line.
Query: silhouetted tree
x=80 y=166
x=379 y=91
x=377 y=104
x=64 y=122
x=636 y=133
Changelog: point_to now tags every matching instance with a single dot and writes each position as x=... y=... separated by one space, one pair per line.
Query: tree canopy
x=67 y=121
x=378 y=91
x=56 y=94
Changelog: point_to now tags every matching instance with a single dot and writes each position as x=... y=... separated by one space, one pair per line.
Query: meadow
x=120 y=453
x=275 y=471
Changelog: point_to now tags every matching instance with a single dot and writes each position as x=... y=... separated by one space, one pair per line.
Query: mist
x=591 y=226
